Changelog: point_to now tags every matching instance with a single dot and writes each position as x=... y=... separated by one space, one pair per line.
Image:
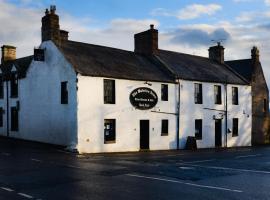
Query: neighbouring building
x=100 y=99
x=252 y=70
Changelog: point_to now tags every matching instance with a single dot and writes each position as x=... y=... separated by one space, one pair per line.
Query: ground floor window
x=164 y=127
x=235 y=127
x=14 y=119
x=109 y=131
x=1 y=117
x=198 y=129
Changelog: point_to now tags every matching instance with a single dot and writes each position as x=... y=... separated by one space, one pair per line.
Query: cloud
x=198 y=37
x=267 y=2
x=190 y=12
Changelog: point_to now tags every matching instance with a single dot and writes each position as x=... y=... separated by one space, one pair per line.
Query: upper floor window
x=217 y=93
x=235 y=127
x=109 y=91
x=14 y=85
x=198 y=93
x=64 y=93
x=1 y=87
x=1 y=117
x=164 y=127
x=39 y=54
x=164 y=92
x=198 y=129
x=234 y=95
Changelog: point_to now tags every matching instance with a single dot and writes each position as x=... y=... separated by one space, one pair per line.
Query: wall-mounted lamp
x=147 y=83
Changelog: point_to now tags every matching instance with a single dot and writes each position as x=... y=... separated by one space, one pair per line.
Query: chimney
x=216 y=53
x=255 y=55
x=147 y=42
x=8 y=53
x=50 y=29
x=64 y=35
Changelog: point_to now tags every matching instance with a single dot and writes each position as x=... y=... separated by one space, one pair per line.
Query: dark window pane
x=109 y=131
x=217 y=91
x=1 y=87
x=14 y=85
x=39 y=54
x=14 y=119
x=109 y=91
x=234 y=95
x=198 y=93
x=164 y=92
x=164 y=127
x=64 y=93
x=198 y=129
x=1 y=117
x=235 y=127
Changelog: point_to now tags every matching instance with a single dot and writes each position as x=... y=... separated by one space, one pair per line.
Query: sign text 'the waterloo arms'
x=143 y=98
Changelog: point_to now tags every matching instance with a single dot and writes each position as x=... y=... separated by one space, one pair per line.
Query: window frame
x=164 y=127
x=198 y=93
x=198 y=124
x=112 y=129
x=109 y=93
x=235 y=127
x=218 y=94
x=164 y=92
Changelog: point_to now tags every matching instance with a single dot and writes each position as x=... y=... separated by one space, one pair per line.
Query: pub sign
x=143 y=98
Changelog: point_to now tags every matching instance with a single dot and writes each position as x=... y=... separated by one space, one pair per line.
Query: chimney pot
x=152 y=26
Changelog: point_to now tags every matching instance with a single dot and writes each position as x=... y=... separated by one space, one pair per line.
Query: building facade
x=99 y=99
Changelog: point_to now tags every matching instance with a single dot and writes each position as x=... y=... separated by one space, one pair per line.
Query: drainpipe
x=178 y=116
x=226 y=112
x=7 y=109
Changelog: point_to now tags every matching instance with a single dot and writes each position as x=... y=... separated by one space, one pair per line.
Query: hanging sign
x=143 y=98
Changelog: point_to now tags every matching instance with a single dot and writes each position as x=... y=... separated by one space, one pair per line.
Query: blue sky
x=184 y=25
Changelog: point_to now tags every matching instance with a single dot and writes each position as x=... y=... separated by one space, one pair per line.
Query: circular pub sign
x=143 y=98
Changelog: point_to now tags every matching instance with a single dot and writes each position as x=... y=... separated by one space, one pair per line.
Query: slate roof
x=196 y=68
x=21 y=64
x=243 y=67
x=94 y=60
x=100 y=61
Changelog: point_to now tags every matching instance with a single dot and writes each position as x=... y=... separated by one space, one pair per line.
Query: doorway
x=218 y=133
x=144 y=134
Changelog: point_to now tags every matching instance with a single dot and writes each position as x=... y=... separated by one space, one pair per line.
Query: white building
x=101 y=99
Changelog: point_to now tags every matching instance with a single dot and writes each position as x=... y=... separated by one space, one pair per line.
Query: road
x=36 y=171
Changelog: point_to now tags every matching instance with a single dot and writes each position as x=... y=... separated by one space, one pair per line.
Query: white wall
x=92 y=111
x=42 y=117
x=189 y=111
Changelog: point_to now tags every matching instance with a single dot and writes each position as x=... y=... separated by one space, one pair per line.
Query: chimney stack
x=50 y=26
x=8 y=53
x=146 y=42
x=216 y=53
x=255 y=55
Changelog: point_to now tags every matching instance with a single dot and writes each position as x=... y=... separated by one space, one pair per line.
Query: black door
x=218 y=133
x=144 y=134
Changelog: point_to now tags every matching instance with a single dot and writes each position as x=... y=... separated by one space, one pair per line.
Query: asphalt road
x=35 y=171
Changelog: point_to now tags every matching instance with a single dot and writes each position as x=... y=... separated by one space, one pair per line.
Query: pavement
x=43 y=172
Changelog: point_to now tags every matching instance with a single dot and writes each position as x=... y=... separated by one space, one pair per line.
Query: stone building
x=100 y=99
x=252 y=70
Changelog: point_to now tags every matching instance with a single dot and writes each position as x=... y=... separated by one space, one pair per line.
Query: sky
x=187 y=26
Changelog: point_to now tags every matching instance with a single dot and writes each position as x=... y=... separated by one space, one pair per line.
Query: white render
x=80 y=123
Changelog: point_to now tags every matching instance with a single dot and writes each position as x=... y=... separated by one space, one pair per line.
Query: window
x=1 y=87
x=234 y=95
x=109 y=131
x=109 y=91
x=217 y=93
x=14 y=119
x=39 y=55
x=64 y=93
x=164 y=92
x=235 y=127
x=198 y=129
x=1 y=117
x=14 y=85
x=198 y=93
x=164 y=127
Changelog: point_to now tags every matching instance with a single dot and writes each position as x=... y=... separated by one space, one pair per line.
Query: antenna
x=218 y=41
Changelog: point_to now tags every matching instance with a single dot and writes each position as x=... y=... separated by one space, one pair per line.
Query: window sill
x=110 y=142
x=164 y=134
